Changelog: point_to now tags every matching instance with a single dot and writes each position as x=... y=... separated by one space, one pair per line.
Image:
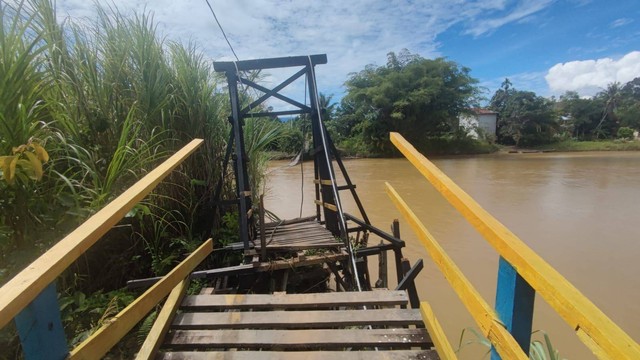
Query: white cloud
x=590 y=76
x=620 y=22
x=352 y=33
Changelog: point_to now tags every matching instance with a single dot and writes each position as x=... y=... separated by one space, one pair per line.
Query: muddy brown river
x=579 y=211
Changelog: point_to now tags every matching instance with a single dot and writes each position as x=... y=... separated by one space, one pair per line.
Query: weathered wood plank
x=295 y=301
x=163 y=322
x=576 y=309
x=24 y=287
x=302 y=355
x=442 y=345
x=296 y=339
x=108 y=335
x=482 y=313
x=296 y=319
x=327 y=205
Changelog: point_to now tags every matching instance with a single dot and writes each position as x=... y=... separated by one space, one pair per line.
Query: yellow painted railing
x=29 y=284
x=604 y=338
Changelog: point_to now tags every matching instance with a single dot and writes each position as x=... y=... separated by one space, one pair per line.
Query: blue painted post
x=40 y=327
x=514 y=305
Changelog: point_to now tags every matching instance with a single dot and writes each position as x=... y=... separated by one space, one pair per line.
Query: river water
x=579 y=211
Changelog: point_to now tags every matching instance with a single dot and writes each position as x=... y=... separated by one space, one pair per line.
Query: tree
x=523 y=117
x=414 y=96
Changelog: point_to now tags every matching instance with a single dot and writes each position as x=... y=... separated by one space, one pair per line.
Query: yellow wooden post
x=593 y=327
x=24 y=287
x=108 y=335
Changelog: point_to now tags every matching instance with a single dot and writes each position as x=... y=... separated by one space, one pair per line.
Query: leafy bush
x=625 y=133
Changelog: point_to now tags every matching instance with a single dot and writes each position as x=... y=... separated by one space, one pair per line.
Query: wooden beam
x=108 y=335
x=25 y=286
x=576 y=309
x=301 y=355
x=327 y=205
x=271 y=63
x=295 y=301
x=323 y=182
x=442 y=345
x=297 y=339
x=308 y=319
x=482 y=313
x=163 y=322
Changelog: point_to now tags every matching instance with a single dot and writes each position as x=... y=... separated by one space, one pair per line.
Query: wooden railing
x=521 y=274
x=30 y=297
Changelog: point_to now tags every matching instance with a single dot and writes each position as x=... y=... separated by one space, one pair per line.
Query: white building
x=480 y=121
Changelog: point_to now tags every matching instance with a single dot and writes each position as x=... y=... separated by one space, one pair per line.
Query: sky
x=545 y=46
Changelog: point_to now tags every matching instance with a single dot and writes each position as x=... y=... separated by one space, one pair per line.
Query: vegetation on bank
x=86 y=109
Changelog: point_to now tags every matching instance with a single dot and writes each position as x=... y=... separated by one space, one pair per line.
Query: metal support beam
x=271 y=63
x=242 y=179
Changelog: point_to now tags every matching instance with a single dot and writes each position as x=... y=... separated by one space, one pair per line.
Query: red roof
x=479 y=111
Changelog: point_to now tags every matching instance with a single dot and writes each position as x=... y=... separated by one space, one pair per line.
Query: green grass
x=601 y=145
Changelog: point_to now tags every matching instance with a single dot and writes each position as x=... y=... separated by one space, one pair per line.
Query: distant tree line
x=423 y=100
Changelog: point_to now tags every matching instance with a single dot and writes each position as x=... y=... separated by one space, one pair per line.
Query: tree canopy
x=414 y=96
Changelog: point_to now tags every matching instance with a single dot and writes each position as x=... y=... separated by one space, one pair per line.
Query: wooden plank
x=163 y=321
x=576 y=309
x=323 y=182
x=108 y=335
x=302 y=355
x=296 y=339
x=298 y=262
x=327 y=205
x=442 y=345
x=295 y=319
x=295 y=301
x=24 y=287
x=482 y=313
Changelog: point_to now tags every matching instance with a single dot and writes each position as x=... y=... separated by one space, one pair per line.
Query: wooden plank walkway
x=296 y=236
x=344 y=325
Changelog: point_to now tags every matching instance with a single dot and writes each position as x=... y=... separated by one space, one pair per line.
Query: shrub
x=625 y=133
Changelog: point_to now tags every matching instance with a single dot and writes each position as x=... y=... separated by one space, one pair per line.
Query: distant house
x=482 y=119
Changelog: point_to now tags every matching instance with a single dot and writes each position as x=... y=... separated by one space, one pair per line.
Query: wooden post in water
x=514 y=305
x=395 y=229
x=383 y=278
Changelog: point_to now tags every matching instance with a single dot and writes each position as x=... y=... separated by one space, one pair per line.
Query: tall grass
x=88 y=107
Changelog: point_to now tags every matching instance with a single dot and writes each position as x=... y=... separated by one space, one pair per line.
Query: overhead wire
x=222 y=30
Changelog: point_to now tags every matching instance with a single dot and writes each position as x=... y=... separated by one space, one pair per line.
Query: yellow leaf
x=40 y=152
x=10 y=177
x=4 y=164
x=35 y=164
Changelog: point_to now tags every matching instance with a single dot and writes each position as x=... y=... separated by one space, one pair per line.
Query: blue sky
x=545 y=46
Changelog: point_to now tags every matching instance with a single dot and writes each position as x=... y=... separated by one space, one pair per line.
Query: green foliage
x=539 y=350
x=414 y=96
x=523 y=117
x=625 y=133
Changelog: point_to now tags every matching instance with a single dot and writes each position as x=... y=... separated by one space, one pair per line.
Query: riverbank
x=561 y=146
x=601 y=145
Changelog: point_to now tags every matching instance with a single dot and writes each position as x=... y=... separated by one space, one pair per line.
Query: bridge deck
x=301 y=235
x=287 y=326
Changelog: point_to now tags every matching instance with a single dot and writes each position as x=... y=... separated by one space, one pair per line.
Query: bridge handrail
x=593 y=327
x=16 y=294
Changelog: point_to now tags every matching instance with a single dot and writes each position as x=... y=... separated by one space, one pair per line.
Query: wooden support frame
x=24 y=287
x=408 y=281
x=482 y=313
x=108 y=335
x=163 y=322
x=443 y=347
x=603 y=337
